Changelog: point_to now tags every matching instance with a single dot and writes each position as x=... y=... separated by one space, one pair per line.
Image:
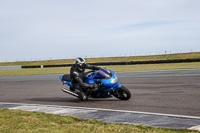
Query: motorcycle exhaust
x=70 y=92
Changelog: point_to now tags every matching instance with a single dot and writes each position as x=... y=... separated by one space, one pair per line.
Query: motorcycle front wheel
x=122 y=93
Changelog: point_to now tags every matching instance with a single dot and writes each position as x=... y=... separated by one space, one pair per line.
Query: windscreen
x=103 y=74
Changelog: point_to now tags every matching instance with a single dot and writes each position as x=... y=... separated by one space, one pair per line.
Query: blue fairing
x=61 y=76
x=65 y=82
x=118 y=86
x=68 y=83
x=107 y=77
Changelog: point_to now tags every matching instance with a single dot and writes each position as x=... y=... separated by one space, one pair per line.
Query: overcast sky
x=57 y=29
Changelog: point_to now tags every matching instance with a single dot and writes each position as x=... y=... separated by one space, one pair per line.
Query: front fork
x=117 y=86
x=115 y=92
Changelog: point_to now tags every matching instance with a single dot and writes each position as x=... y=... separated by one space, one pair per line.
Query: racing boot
x=82 y=96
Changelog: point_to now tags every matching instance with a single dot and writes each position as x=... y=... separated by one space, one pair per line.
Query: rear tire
x=122 y=93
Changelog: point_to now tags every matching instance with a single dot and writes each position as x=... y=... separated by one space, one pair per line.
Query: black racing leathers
x=77 y=77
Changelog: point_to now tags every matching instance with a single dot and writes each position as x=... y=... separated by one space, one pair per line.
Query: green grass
x=192 y=55
x=117 y=68
x=142 y=67
x=18 y=121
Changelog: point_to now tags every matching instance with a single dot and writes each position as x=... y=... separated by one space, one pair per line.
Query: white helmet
x=80 y=63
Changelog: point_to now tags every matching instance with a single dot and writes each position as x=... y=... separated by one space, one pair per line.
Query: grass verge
x=117 y=68
x=17 y=121
x=192 y=55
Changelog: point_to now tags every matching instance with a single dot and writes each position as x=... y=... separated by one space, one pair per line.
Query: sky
x=64 y=29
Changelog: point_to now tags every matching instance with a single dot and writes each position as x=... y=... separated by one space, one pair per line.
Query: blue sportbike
x=107 y=81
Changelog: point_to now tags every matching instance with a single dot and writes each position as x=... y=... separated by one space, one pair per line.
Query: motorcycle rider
x=77 y=78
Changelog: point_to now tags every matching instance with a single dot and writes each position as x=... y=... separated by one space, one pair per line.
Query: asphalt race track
x=167 y=91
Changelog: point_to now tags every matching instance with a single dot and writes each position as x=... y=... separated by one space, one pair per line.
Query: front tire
x=122 y=93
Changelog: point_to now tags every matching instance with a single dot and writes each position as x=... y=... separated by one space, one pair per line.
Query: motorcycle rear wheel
x=122 y=93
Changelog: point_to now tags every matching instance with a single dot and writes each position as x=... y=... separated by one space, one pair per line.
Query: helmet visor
x=82 y=65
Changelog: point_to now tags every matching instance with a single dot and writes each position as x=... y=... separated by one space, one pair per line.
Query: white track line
x=101 y=109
